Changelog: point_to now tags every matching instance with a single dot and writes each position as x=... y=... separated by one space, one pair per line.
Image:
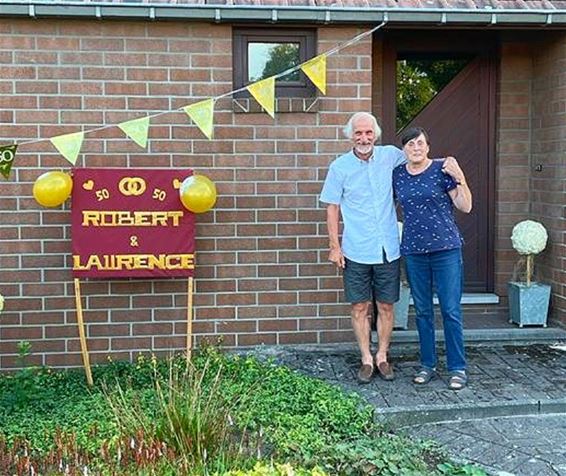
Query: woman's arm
x=461 y=195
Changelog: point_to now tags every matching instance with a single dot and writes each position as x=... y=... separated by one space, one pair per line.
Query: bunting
x=137 y=130
x=69 y=145
x=7 y=156
x=315 y=69
x=264 y=93
x=201 y=113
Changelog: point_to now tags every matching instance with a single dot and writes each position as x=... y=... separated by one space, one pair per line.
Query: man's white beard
x=364 y=149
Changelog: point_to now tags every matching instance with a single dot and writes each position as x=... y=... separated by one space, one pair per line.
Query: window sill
x=282 y=105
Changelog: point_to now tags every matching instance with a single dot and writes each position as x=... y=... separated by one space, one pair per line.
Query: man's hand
x=452 y=168
x=337 y=257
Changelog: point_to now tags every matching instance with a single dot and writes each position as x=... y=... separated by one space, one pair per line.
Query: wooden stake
x=189 y=317
x=84 y=349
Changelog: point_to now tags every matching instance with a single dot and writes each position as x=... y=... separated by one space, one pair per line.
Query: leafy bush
x=184 y=417
x=218 y=416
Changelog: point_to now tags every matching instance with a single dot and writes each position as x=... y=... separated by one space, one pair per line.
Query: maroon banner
x=130 y=223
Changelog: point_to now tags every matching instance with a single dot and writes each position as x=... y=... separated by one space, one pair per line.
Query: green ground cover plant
x=218 y=415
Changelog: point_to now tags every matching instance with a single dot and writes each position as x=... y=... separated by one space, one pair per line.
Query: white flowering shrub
x=529 y=237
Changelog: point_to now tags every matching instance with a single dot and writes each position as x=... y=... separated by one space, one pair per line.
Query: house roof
x=468 y=13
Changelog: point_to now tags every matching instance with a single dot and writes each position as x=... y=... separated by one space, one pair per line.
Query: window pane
x=269 y=59
x=419 y=80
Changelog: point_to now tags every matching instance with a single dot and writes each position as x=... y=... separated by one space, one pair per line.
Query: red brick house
x=262 y=275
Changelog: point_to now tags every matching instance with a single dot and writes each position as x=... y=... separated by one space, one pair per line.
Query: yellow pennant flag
x=264 y=93
x=69 y=145
x=202 y=114
x=136 y=130
x=315 y=69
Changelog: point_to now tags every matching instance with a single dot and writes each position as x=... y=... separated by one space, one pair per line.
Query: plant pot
x=528 y=305
x=401 y=308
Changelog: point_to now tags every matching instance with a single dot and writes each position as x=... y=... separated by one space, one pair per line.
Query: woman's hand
x=452 y=168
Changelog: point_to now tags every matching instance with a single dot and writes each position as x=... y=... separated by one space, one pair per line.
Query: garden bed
x=222 y=414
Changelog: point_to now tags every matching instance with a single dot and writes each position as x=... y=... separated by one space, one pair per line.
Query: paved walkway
x=511 y=419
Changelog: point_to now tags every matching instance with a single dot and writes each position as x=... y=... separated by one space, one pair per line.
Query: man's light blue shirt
x=363 y=190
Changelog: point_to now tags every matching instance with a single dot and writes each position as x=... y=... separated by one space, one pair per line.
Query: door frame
x=482 y=44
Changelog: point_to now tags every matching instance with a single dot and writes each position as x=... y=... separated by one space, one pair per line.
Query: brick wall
x=513 y=148
x=548 y=186
x=532 y=112
x=262 y=275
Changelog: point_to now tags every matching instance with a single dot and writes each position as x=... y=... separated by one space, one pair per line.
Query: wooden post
x=84 y=349
x=189 y=317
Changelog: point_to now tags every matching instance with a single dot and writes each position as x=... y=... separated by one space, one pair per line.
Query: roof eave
x=527 y=18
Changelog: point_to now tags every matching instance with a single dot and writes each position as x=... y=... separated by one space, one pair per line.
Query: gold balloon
x=198 y=193
x=52 y=188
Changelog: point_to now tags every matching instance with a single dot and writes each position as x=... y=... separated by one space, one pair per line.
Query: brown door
x=460 y=121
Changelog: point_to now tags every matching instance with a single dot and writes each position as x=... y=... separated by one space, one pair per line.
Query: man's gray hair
x=349 y=128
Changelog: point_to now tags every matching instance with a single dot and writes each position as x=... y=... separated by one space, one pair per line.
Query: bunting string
x=201 y=113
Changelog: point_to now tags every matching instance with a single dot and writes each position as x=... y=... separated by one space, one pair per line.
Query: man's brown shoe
x=385 y=370
x=365 y=374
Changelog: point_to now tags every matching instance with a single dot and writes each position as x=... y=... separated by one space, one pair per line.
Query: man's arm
x=332 y=223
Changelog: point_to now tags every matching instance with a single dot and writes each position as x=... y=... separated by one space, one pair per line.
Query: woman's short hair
x=349 y=128
x=412 y=133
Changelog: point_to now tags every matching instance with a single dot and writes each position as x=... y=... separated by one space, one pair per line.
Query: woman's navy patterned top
x=428 y=212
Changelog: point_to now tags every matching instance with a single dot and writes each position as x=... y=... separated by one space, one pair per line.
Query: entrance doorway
x=446 y=84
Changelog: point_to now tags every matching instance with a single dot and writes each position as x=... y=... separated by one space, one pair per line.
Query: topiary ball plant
x=529 y=238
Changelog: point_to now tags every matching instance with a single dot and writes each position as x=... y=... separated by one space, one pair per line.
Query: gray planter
x=528 y=305
x=401 y=308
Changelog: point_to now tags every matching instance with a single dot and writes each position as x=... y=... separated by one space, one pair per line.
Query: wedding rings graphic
x=132 y=186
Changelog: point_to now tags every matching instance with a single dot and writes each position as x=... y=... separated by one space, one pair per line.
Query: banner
x=69 y=145
x=315 y=69
x=7 y=156
x=202 y=114
x=130 y=223
x=264 y=93
x=137 y=130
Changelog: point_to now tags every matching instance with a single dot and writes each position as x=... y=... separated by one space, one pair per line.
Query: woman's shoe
x=458 y=380
x=424 y=375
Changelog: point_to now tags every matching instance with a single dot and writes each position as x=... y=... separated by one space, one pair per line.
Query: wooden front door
x=460 y=122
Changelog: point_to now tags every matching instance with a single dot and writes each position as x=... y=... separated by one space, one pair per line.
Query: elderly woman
x=427 y=191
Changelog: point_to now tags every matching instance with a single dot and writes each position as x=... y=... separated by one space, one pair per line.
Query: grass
x=221 y=415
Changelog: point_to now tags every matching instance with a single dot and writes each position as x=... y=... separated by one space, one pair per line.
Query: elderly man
x=359 y=186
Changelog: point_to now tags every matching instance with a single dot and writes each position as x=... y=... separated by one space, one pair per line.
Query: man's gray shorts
x=360 y=280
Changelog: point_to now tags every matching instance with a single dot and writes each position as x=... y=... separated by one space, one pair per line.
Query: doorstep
x=471 y=298
x=531 y=335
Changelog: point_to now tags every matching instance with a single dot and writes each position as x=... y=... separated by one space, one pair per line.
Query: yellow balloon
x=52 y=188
x=198 y=193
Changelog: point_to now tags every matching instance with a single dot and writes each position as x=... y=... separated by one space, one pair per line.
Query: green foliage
x=142 y=418
x=185 y=412
x=418 y=81
x=263 y=469
x=282 y=57
x=466 y=470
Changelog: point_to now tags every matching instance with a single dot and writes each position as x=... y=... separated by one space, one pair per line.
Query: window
x=260 y=53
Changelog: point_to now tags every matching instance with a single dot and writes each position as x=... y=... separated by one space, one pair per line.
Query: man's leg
x=357 y=287
x=361 y=326
x=386 y=285
x=384 y=330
